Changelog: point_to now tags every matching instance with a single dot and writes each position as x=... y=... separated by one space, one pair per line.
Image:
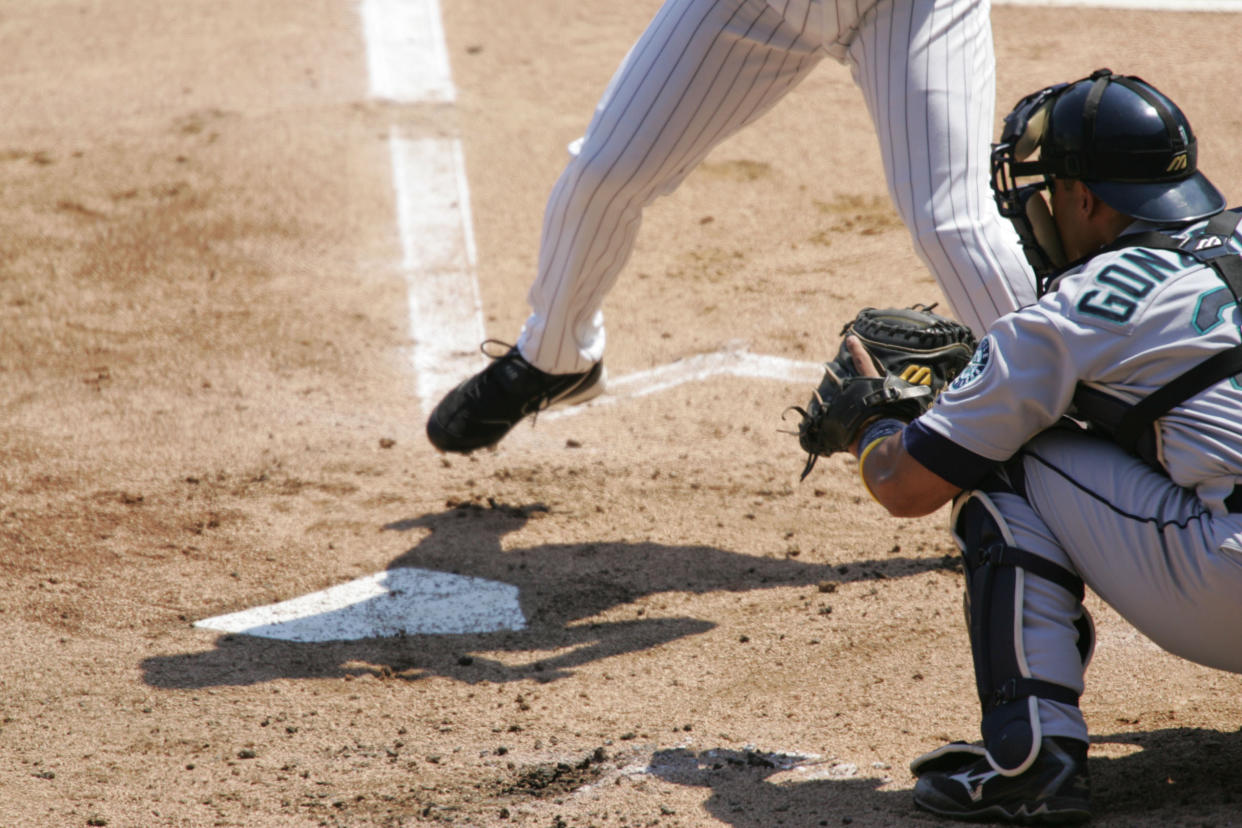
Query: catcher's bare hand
x=865 y=366
x=863 y=363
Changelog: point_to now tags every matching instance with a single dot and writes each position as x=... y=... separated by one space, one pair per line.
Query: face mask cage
x=1020 y=179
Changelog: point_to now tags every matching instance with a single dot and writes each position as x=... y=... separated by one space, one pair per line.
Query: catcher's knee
x=996 y=571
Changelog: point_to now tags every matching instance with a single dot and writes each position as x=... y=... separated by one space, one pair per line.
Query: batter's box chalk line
x=735 y=362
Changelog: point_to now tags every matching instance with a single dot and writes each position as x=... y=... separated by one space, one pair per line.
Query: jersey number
x=1210 y=309
x=1210 y=312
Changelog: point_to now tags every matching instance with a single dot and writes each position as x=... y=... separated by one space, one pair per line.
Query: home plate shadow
x=401 y=601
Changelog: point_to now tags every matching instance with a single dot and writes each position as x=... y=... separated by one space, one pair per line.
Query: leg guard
x=996 y=572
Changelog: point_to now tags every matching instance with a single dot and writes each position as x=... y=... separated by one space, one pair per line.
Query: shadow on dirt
x=1177 y=776
x=559 y=585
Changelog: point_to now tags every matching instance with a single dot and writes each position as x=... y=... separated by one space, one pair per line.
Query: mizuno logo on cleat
x=974 y=782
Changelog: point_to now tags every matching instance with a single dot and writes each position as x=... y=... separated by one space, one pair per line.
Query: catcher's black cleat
x=480 y=411
x=1055 y=790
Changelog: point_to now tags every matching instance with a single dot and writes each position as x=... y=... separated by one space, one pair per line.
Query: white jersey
x=1127 y=322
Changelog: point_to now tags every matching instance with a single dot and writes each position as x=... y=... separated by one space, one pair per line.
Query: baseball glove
x=916 y=351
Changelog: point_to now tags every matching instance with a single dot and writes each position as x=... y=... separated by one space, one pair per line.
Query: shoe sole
x=1051 y=812
x=592 y=385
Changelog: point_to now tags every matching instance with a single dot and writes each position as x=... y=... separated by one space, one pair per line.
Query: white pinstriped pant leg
x=927 y=71
x=702 y=70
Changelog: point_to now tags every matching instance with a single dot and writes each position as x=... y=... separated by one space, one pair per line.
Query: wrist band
x=878 y=430
x=873 y=435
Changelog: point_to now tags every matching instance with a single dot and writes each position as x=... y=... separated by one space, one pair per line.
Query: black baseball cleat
x=480 y=411
x=1055 y=790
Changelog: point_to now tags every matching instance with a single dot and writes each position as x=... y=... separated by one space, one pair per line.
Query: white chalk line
x=407 y=58
x=407 y=62
x=729 y=362
x=438 y=261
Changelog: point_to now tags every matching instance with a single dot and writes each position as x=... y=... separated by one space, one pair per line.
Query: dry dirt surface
x=208 y=405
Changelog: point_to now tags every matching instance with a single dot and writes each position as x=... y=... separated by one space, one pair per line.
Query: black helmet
x=1128 y=143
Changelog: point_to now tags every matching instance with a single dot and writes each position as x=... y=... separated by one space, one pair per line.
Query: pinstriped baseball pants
x=704 y=69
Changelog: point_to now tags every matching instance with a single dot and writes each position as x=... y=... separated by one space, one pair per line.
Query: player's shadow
x=1179 y=776
x=559 y=587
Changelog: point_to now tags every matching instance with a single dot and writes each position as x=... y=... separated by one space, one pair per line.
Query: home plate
x=404 y=601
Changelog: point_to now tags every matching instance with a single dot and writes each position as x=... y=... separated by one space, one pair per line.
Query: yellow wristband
x=862 y=458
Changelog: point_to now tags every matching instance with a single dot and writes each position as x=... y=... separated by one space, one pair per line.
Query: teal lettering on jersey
x=1113 y=307
x=1210 y=312
x=1123 y=283
x=1150 y=263
x=1210 y=309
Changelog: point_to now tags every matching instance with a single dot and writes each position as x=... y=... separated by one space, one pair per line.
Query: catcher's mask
x=1127 y=142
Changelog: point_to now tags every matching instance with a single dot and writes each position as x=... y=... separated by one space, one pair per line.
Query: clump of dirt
x=546 y=779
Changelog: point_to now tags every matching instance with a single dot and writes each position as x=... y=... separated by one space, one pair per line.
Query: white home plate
x=403 y=601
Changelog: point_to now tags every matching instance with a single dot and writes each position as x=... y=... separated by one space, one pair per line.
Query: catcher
x=1136 y=335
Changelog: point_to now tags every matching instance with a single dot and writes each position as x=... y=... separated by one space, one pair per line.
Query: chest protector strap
x=1131 y=426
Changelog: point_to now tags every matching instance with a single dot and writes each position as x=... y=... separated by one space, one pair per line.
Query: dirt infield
x=208 y=405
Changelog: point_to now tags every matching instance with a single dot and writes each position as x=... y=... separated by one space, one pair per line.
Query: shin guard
x=996 y=573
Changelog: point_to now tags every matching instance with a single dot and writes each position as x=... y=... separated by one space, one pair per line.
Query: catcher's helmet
x=1127 y=142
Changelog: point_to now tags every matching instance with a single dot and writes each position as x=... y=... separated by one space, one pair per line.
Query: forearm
x=897 y=481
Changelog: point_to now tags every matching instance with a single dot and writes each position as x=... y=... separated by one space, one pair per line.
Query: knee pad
x=996 y=571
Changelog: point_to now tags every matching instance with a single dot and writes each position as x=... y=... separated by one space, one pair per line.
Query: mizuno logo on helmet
x=1179 y=163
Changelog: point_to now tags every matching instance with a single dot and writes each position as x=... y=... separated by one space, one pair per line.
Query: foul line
x=407 y=59
x=437 y=241
x=408 y=63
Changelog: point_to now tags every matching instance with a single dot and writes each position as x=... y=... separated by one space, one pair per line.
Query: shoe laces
x=499 y=351
x=508 y=352
x=474 y=390
x=496 y=343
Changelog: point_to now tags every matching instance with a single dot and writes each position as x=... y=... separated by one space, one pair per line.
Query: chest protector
x=1133 y=426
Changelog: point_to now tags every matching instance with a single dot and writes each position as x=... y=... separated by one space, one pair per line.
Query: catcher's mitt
x=917 y=353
